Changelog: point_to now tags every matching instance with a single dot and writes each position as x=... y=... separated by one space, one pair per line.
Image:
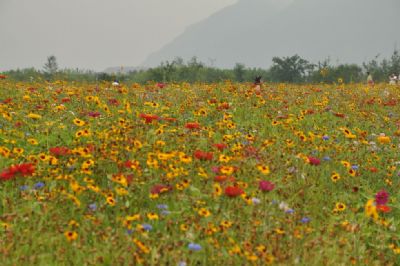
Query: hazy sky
x=93 y=34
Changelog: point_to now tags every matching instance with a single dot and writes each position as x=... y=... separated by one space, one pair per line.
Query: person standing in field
x=370 y=80
x=257 y=85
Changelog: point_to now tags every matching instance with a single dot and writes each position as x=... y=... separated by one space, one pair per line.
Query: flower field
x=199 y=174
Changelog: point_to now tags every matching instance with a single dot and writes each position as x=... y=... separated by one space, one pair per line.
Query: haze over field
x=97 y=34
x=93 y=34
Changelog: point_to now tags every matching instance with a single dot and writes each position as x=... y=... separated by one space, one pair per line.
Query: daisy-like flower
x=204 y=212
x=263 y=169
x=71 y=235
x=340 y=207
x=79 y=122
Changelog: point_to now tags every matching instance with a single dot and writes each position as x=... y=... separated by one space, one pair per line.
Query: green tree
x=290 y=69
x=51 y=66
x=239 y=71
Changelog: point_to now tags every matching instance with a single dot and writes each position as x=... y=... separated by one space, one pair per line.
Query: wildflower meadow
x=199 y=174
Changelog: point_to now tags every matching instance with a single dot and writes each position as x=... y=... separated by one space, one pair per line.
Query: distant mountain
x=254 y=31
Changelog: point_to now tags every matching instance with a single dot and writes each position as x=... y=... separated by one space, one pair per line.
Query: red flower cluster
x=203 y=155
x=25 y=169
x=149 y=118
x=192 y=125
x=60 y=151
x=3 y=76
x=232 y=191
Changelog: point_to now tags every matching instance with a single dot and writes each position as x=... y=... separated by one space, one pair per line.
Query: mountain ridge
x=254 y=31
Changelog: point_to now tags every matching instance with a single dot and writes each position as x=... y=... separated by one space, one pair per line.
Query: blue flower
x=93 y=207
x=325 y=137
x=289 y=211
x=38 y=185
x=305 y=220
x=326 y=158
x=194 y=247
x=182 y=263
x=256 y=200
x=165 y=212
x=354 y=167
x=162 y=206
x=147 y=227
x=24 y=187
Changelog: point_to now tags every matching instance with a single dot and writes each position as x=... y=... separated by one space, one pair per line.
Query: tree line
x=291 y=69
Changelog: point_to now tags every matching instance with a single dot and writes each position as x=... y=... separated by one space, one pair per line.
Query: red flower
x=373 y=169
x=114 y=102
x=266 y=185
x=149 y=118
x=384 y=208
x=7 y=101
x=202 y=155
x=314 y=161
x=223 y=106
x=223 y=178
x=159 y=188
x=59 y=151
x=3 y=76
x=382 y=197
x=192 y=125
x=65 y=100
x=160 y=85
x=220 y=146
x=231 y=191
x=340 y=115
x=94 y=114
x=25 y=169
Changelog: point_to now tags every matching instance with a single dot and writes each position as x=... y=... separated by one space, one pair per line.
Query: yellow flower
x=335 y=177
x=110 y=201
x=121 y=191
x=34 y=116
x=204 y=212
x=33 y=141
x=384 y=139
x=71 y=235
x=184 y=227
x=217 y=189
x=339 y=207
x=152 y=216
x=263 y=169
x=79 y=122
x=370 y=209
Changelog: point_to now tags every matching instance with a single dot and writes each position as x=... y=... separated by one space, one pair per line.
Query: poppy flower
x=149 y=118
x=266 y=185
x=160 y=85
x=202 y=155
x=314 y=161
x=383 y=208
x=192 y=125
x=232 y=191
x=3 y=76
